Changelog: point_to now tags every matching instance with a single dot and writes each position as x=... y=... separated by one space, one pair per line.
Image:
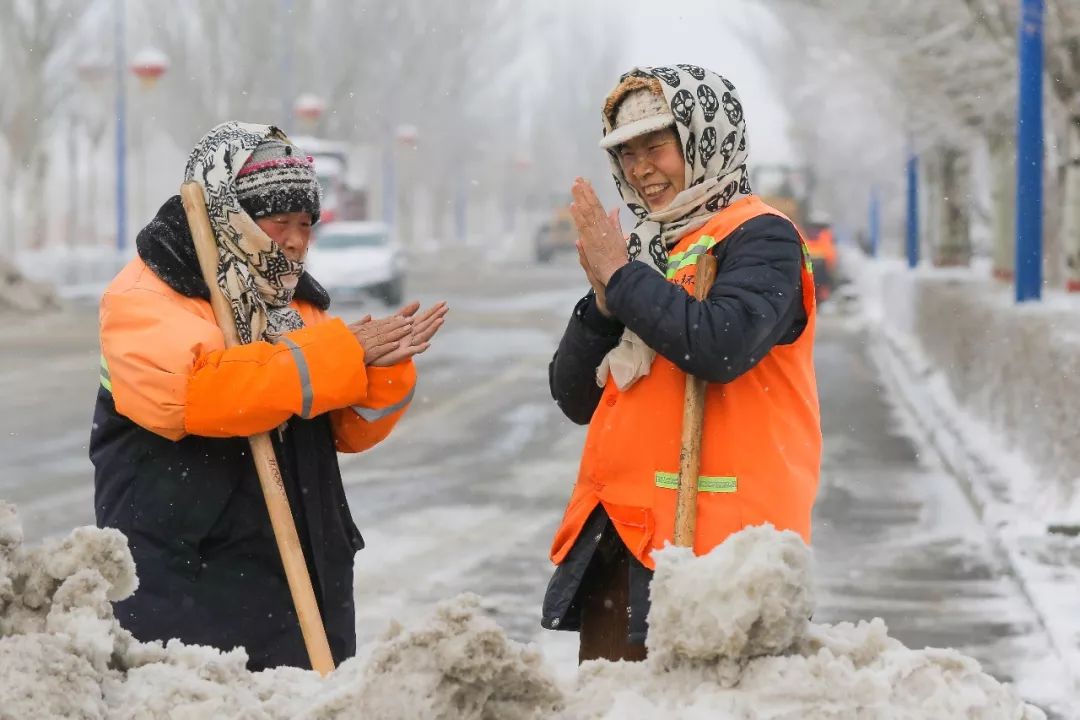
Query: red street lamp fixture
x=149 y=64
x=309 y=108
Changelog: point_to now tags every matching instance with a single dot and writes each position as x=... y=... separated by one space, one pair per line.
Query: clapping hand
x=600 y=240
x=390 y=340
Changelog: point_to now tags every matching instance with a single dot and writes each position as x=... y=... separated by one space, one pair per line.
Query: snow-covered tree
x=35 y=53
x=951 y=68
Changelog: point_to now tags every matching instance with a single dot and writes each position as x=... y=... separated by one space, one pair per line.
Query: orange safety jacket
x=761 y=438
x=173 y=471
x=164 y=362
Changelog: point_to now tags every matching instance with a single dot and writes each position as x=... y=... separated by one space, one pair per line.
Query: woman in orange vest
x=676 y=137
x=172 y=468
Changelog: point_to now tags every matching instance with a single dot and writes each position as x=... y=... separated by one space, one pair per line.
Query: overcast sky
x=708 y=33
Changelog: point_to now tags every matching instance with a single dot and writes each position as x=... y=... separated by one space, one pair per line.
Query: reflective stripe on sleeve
x=373 y=414
x=305 y=377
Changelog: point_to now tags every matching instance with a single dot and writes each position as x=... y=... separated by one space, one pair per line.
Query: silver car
x=348 y=258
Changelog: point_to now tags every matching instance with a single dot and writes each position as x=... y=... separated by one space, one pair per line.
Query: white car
x=349 y=257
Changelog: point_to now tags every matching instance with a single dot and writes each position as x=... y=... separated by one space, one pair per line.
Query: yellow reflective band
x=106 y=378
x=670 y=481
x=689 y=257
x=808 y=259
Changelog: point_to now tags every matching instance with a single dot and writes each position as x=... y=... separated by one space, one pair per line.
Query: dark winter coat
x=192 y=508
x=754 y=305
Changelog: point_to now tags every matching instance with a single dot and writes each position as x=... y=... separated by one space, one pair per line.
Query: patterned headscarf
x=712 y=132
x=253 y=271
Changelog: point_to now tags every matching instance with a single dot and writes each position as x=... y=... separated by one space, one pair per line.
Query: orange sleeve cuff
x=368 y=422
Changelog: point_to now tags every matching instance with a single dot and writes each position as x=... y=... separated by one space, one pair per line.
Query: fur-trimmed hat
x=277 y=179
x=635 y=107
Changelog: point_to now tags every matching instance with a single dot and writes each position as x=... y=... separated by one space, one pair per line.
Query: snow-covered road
x=466 y=493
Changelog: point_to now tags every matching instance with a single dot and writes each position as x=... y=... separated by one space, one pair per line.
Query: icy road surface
x=467 y=491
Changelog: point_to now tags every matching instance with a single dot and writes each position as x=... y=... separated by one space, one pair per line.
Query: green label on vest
x=670 y=481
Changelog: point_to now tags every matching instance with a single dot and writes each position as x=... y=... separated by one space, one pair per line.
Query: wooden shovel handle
x=262 y=449
x=693 y=417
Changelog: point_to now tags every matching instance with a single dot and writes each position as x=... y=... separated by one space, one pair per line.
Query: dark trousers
x=605 y=605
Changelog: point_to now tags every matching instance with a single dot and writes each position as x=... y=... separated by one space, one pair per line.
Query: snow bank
x=65 y=656
x=761 y=605
x=1014 y=369
x=989 y=386
x=730 y=638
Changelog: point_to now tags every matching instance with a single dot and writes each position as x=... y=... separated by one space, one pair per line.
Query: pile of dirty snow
x=729 y=638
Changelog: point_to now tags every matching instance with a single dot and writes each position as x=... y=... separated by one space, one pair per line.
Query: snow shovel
x=262 y=448
x=693 y=416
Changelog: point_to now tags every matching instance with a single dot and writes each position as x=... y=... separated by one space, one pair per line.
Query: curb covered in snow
x=1016 y=499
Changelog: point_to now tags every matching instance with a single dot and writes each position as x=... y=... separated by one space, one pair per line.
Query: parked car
x=348 y=258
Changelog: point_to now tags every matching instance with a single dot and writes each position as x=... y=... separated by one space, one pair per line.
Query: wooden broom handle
x=693 y=417
x=262 y=448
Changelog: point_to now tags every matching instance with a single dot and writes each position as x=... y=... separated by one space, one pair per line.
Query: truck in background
x=341 y=176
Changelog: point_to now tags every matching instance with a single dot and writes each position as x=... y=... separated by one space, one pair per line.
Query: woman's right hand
x=597 y=286
x=381 y=336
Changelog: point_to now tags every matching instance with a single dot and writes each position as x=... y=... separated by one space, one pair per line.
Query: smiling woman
x=676 y=139
x=654 y=166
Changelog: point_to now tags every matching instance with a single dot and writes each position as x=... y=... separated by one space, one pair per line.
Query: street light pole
x=875 y=221
x=1029 y=154
x=121 y=131
x=149 y=64
x=404 y=173
x=912 y=209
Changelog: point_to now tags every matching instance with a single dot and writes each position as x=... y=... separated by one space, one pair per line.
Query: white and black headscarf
x=253 y=271
x=712 y=132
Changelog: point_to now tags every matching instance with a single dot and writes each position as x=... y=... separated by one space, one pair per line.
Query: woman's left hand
x=601 y=239
x=424 y=327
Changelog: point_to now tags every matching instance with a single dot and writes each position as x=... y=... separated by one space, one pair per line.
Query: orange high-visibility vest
x=761 y=438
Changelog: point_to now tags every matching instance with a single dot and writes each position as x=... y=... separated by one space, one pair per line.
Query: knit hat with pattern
x=277 y=179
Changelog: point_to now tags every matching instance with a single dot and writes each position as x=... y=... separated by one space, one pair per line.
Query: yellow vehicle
x=555 y=235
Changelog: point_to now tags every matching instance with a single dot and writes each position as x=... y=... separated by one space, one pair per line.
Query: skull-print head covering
x=256 y=276
x=708 y=117
x=712 y=132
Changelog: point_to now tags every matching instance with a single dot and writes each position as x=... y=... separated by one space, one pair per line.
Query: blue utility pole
x=1029 y=154
x=875 y=222
x=121 y=131
x=912 y=210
